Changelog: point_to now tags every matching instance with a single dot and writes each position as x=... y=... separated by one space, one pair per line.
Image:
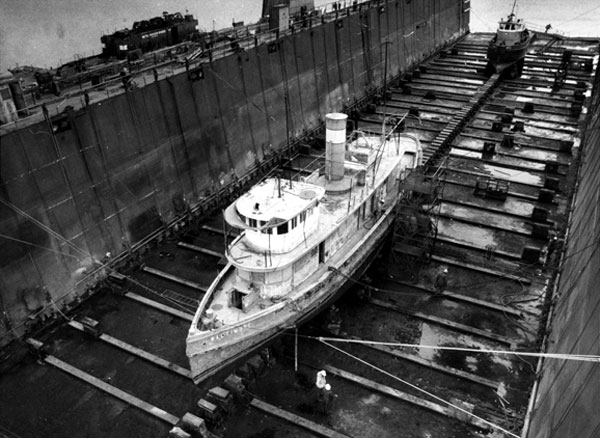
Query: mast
x=512 y=12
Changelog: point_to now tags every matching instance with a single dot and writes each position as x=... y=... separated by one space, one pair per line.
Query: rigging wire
x=563 y=356
x=38 y=246
x=73 y=289
x=81 y=251
x=52 y=302
x=44 y=227
x=381 y=370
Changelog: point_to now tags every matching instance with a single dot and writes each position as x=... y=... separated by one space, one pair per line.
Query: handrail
x=327 y=12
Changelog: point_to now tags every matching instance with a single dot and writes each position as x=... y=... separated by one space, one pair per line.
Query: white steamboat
x=300 y=243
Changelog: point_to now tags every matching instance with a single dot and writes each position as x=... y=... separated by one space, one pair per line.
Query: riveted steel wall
x=99 y=178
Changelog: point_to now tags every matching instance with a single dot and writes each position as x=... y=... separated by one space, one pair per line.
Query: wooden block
x=257 y=364
x=193 y=424
x=209 y=411
x=178 y=432
x=234 y=384
x=245 y=372
x=221 y=397
x=115 y=277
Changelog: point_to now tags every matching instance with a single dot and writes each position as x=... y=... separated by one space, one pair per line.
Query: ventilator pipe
x=335 y=145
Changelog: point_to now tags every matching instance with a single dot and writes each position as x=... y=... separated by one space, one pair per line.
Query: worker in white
x=321 y=380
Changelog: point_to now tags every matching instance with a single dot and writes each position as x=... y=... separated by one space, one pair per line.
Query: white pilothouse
x=300 y=243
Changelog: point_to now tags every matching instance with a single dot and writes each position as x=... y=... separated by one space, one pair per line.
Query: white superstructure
x=298 y=236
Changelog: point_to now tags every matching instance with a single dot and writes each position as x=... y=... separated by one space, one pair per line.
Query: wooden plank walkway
x=296 y=419
x=151 y=303
x=447 y=323
x=115 y=392
x=174 y=278
x=138 y=352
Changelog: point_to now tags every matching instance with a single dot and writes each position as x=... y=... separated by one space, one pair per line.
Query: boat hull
x=205 y=361
x=501 y=57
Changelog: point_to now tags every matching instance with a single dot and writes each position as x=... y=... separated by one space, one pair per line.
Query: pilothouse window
x=283 y=228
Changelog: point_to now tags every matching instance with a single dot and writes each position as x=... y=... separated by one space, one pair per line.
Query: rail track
x=116 y=366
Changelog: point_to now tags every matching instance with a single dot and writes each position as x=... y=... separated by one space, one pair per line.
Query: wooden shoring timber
x=464 y=298
x=213 y=229
x=174 y=278
x=485 y=175
x=437 y=367
x=115 y=392
x=471 y=186
x=482 y=224
x=200 y=249
x=490 y=208
x=159 y=361
x=151 y=303
x=482 y=269
x=388 y=349
x=447 y=323
x=438 y=409
x=505 y=254
x=296 y=419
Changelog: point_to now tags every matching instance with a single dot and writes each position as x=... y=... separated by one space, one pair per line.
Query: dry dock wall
x=99 y=178
x=568 y=397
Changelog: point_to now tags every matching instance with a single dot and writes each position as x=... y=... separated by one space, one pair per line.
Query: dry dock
x=501 y=157
x=503 y=188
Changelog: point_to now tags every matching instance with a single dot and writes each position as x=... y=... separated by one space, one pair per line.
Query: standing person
x=327 y=398
x=321 y=380
x=320 y=385
x=441 y=281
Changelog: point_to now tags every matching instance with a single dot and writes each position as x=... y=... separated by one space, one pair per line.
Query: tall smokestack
x=335 y=149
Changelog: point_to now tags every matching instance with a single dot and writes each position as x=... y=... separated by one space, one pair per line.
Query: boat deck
x=333 y=209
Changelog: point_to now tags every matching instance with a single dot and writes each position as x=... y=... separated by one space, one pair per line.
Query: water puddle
x=431 y=335
x=474 y=362
x=513 y=175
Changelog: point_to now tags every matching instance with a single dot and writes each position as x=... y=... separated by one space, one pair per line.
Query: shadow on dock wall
x=97 y=179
